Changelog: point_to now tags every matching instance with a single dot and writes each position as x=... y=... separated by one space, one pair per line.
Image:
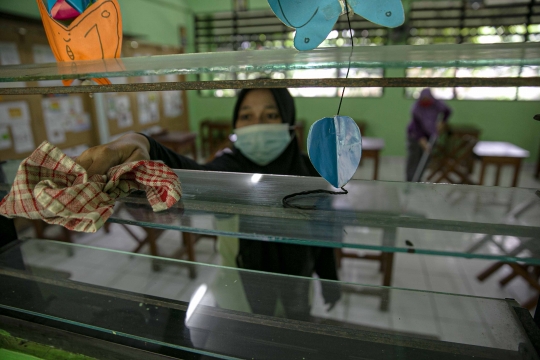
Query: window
x=255 y=30
x=479 y=22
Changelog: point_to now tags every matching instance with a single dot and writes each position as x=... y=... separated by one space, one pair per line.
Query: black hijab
x=291 y=161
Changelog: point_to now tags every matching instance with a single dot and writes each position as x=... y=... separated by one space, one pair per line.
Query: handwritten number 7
x=99 y=38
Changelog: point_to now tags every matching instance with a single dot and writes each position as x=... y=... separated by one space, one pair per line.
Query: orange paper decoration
x=93 y=35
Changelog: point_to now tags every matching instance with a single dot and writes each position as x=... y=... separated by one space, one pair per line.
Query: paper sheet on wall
x=55 y=130
x=148 y=107
x=43 y=55
x=123 y=111
x=23 y=140
x=80 y=122
x=9 y=54
x=14 y=112
x=172 y=103
x=5 y=138
x=119 y=108
x=57 y=113
x=63 y=114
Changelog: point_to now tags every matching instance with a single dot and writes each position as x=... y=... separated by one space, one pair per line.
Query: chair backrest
x=213 y=134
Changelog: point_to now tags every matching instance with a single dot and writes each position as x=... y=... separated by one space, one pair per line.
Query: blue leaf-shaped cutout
x=335 y=149
x=387 y=13
x=312 y=19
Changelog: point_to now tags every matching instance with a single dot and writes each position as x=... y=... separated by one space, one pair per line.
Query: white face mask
x=262 y=143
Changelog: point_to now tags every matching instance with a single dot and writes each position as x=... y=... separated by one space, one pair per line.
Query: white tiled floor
x=449 y=318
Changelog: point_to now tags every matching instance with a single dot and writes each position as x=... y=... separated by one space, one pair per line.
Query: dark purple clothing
x=424 y=118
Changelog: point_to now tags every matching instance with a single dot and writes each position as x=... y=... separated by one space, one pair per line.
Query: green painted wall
x=387 y=117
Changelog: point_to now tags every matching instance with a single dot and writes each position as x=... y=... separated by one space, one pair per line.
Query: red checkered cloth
x=50 y=186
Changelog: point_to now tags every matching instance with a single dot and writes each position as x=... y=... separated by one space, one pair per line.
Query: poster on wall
x=9 y=54
x=5 y=138
x=148 y=107
x=55 y=131
x=64 y=114
x=13 y=112
x=122 y=110
x=44 y=55
x=23 y=138
x=172 y=103
x=16 y=115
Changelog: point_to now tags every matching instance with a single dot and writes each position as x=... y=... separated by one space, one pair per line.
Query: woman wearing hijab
x=423 y=126
x=263 y=120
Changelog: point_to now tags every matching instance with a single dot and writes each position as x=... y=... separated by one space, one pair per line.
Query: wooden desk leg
x=489 y=271
x=482 y=173
x=188 y=240
x=388 y=264
x=517 y=169
x=498 y=174
x=339 y=255
x=152 y=237
x=376 y=164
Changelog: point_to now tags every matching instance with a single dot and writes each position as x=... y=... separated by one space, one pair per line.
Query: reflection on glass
x=463 y=55
x=439 y=93
x=478 y=93
x=449 y=220
x=303 y=74
x=111 y=292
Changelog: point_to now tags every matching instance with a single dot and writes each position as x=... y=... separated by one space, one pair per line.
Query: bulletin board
x=26 y=121
x=144 y=110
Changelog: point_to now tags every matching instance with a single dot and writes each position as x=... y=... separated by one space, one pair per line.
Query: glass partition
x=452 y=220
x=230 y=313
x=397 y=56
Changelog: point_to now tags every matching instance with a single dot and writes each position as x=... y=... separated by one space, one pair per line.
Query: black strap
x=286 y=200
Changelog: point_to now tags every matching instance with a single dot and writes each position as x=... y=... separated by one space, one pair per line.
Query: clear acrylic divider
x=396 y=56
x=452 y=220
x=232 y=313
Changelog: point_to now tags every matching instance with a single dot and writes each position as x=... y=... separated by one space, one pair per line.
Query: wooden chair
x=530 y=273
x=213 y=134
x=151 y=236
x=451 y=159
x=459 y=131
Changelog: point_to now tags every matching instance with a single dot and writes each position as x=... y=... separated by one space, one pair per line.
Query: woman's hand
x=99 y=159
x=424 y=144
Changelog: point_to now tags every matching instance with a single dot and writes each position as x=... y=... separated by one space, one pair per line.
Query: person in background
x=263 y=120
x=424 y=125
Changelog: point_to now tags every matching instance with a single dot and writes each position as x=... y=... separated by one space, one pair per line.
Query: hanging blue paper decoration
x=314 y=19
x=79 y=5
x=335 y=148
